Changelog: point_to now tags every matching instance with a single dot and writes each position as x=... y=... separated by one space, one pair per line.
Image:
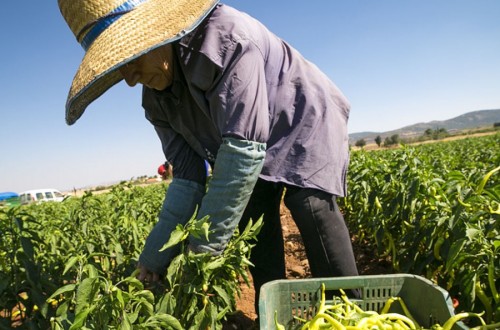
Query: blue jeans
x=324 y=233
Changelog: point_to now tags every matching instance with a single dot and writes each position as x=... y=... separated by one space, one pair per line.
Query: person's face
x=153 y=69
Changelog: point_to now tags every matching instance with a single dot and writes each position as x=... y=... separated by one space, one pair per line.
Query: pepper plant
x=198 y=291
x=434 y=210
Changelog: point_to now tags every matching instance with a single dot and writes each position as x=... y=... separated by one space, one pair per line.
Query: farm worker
x=218 y=86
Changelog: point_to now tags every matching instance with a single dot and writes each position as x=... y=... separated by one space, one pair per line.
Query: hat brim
x=150 y=25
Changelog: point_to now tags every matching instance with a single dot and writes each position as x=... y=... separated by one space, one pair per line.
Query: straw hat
x=115 y=32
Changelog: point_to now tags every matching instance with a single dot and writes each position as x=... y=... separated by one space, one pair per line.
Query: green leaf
x=27 y=247
x=246 y=261
x=248 y=227
x=86 y=293
x=199 y=228
x=162 y=304
x=119 y=297
x=61 y=290
x=223 y=294
x=174 y=268
x=134 y=315
x=256 y=228
x=147 y=307
x=167 y=320
x=472 y=233
x=148 y=295
x=119 y=253
x=496 y=244
x=71 y=262
x=91 y=270
x=62 y=309
x=201 y=321
x=215 y=263
x=134 y=283
x=125 y=324
x=170 y=303
x=454 y=252
x=80 y=319
x=177 y=236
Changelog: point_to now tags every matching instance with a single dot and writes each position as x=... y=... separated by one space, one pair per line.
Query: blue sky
x=398 y=62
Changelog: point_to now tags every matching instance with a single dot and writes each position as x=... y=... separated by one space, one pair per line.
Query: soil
x=298 y=267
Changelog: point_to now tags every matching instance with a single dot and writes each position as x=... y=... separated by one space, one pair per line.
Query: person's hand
x=146 y=276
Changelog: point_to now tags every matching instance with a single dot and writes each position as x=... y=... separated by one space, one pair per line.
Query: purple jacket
x=234 y=78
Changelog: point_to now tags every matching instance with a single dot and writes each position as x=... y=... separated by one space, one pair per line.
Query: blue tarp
x=7 y=195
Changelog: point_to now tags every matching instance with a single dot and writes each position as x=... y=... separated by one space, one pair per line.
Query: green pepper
x=276 y=323
x=484 y=300
x=448 y=325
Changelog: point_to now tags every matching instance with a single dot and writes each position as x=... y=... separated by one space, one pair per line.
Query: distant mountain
x=469 y=120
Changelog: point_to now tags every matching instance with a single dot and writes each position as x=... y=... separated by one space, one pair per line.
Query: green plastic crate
x=428 y=303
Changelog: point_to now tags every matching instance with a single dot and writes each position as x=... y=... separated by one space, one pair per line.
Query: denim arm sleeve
x=236 y=170
x=179 y=205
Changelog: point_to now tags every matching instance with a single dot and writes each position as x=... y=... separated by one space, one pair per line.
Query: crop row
x=434 y=210
x=46 y=246
x=72 y=265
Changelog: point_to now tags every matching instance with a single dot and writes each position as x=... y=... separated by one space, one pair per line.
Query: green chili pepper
x=437 y=248
x=448 y=325
x=494 y=326
x=484 y=300
x=481 y=185
x=276 y=323
x=491 y=281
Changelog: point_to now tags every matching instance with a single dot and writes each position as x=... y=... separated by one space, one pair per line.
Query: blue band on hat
x=102 y=23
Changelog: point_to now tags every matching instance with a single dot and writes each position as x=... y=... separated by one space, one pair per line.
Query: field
x=430 y=210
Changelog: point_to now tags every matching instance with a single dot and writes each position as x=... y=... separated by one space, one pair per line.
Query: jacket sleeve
x=236 y=170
